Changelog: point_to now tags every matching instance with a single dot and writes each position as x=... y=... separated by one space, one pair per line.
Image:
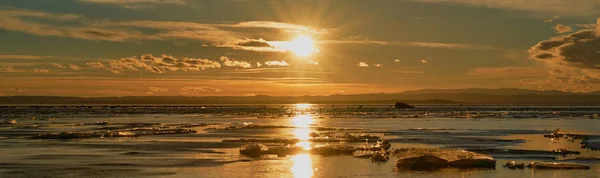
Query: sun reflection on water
x=302 y=167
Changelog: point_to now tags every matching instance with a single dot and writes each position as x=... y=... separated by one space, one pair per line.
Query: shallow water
x=203 y=154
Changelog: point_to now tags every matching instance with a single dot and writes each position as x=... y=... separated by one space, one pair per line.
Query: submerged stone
x=542 y=165
x=380 y=157
x=253 y=149
x=433 y=158
x=514 y=165
x=9 y=121
x=329 y=150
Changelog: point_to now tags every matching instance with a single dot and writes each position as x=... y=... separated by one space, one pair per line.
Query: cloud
x=135 y=4
x=276 y=63
x=16 y=20
x=561 y=7
x=231 y=35
x=507 y=72
x=60 y=66
x=425 y=61
x=25 y=57
x=574 y=59
x=580 y=49
x=197 y=91
x=114 y=92
x=396 y=60
x=363 y=64
x=74 y=67
x=154 y=90
x=258 y=64
x=8 y=69
x=589 y=26
x=413 y=44
x=41 y=70
x=313 y=62
x=560 y=28
x=378 y=65
x=233 y=63
x=160 y=64
x=552 y=19
x=95 y=64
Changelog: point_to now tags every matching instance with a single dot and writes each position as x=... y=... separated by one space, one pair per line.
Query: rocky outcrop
x=401 y=105
x=433 y=158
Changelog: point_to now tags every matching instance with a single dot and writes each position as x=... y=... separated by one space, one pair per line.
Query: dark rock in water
x=514 y=165
x=8 y=122
x=558 y=133
x=433 y=158
x=329 y=150
x=383 y=144
x=254 y=149
x=401 y=105
x=541 y=165
x=313 y=134
x=380 y=157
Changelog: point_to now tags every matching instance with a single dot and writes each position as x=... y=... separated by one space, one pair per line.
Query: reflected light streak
x=302 y=167
x=302 y=131
x=303 y=106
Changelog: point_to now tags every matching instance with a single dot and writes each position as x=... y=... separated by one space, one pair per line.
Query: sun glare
x=302 y=46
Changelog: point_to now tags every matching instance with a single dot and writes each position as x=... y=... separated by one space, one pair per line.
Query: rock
x=401 y=105
x=558 y=133
x=313 y=134
x=257 y=150
x=329 y=150
x=514 y=165
x=8 y=121
x=541 y=165
x=380 y=157
x=383 y=144
x=433 y=158
x=254 y=149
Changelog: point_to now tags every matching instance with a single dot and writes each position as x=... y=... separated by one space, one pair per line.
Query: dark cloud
x=580 y=49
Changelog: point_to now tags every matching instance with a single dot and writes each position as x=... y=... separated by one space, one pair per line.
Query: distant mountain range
x=427 y=96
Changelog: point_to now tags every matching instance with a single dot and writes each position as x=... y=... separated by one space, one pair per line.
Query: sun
x=302 y=46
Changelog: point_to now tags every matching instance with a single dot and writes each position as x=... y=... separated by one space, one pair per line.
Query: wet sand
x=491 y=130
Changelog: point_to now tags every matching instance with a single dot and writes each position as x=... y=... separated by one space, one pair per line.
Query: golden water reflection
x=302 y=163
x=302 y=167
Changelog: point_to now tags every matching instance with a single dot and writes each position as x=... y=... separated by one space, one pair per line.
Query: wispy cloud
x=60 y=66
x=154 y=90
x=425 y=61
x=25 y=57
x=277 y=63
x=74 y=67
x=41 y=70
x=197 y=91
x=160 y=64
x=507 y=72
x=560 y=28
x=135 y=4
x=95 y=64
x=566 y=7
x=234 y=63
x=363 y=64
x=8 y=69
x=551 y=19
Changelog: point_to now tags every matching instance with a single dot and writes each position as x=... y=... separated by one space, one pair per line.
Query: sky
x=95 y=48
